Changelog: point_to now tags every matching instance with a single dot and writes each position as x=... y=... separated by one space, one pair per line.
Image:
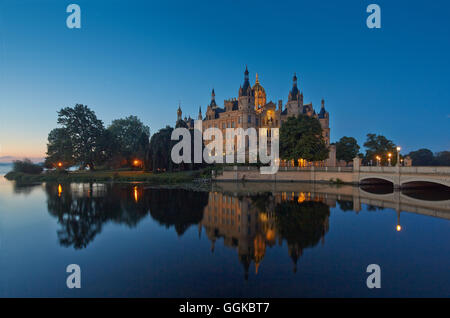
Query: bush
x=26 y=166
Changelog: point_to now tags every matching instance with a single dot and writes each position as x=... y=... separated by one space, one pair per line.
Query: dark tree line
x=425 y=157
x=82 y=140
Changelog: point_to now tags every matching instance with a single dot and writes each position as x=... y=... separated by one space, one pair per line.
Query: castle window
x=232 y=124
x=223 y=125
x=256 y=121
x=239 y=119
x=249 y=119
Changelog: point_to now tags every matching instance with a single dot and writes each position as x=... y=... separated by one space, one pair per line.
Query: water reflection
x=250 y=224
x=83 y=209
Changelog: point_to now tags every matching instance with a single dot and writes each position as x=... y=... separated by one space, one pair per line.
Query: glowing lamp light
x=136 y=162
x=136 y=194
x=60 y=164
x=399 y=228
x=399 y=148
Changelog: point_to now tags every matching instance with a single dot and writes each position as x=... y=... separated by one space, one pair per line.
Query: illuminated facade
x=251 y=109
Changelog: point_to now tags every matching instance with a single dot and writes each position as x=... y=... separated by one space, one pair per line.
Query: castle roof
x=246 y=89
x=322 y=112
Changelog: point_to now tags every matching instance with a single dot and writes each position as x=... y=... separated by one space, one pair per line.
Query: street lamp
x=389 y=158
x=398 y=155
x=378 y=160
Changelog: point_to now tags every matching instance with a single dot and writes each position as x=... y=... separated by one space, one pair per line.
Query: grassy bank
x=108 y=176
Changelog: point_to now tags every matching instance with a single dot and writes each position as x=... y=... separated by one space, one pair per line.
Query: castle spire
x=246 y=89
x=294 y=93
x=179 y=112
x=213 y=99
x=200 y=117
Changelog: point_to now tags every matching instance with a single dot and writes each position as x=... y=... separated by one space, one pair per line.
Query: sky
x=144 y=57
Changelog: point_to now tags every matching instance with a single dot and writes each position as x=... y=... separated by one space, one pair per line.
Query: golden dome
x=259 y=93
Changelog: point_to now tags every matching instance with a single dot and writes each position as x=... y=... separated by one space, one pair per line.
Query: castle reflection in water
x=248 y=224
x=252 y=224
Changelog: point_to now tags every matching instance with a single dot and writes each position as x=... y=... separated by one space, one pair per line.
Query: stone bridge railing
x=398 y=176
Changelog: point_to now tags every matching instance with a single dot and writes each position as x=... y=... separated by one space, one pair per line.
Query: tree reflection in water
x=83 y=209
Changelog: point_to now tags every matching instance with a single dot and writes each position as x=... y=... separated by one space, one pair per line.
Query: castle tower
x=246 y=97
x=213 y=99
x=294 y=93
x=259 y=93
x=295 y=99
x=179 y=112
x=246 y=89
x=324 y=119
x=200 y=117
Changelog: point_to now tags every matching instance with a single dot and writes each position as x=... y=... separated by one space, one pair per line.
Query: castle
x=251 y=109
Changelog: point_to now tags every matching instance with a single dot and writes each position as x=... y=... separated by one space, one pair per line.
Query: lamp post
x=378 y=160
x=398 y=155
x=389 y=158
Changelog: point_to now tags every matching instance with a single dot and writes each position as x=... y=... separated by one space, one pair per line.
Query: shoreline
x=165 y=178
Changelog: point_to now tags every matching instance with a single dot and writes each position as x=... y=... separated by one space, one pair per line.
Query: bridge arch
x=424 y=182
x=378 y=180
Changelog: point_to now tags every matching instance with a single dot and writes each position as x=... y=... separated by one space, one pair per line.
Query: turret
x=323 y=113
x=213 y=99
x=200 y=117
x=179 y=112
x=294 y=93
x=246 y=89
x=246 y=96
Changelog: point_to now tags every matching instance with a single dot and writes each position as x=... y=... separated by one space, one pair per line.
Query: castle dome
x=259 y=93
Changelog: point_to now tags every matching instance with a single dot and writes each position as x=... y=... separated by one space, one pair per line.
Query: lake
x=235 y=240
x=5 y=168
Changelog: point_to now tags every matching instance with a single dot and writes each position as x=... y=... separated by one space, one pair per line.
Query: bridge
x=399 y=201
x=399 y=177
x=402 y=177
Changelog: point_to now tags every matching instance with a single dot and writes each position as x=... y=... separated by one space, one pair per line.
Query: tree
x=132 y=137
x=301 y=137
x=378 y=145
x=442 y=158
x=347 y=148
x=59 y=148
x=85 y=132
x=26 y=166
x=422 y=157
x=159 y=154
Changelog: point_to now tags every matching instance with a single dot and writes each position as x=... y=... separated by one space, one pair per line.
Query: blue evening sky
x=143 y=57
